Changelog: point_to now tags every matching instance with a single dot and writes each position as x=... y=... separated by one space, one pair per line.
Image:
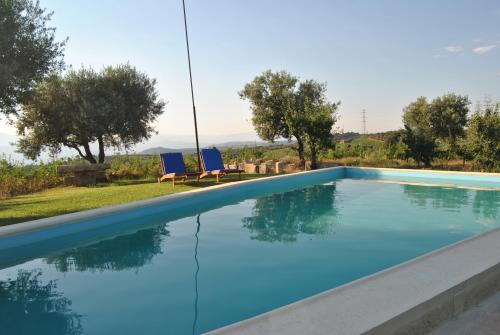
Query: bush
x=134 y=167
x=17 y=178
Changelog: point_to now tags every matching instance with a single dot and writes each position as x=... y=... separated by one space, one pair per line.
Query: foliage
x=395 y=146
x=127 y=167
x=361 y=147
x=421 y=146
x=443 y=120
x=29 y=51
x=17 y=178
x=318 y=120
x=483 y=138
x=284 y=107
x=114 y=108
x=448 y=116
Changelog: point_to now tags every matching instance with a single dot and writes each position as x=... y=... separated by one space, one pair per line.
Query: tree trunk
x=101 y=149
x=300 y=149
x=314 y=157
x=88 y=154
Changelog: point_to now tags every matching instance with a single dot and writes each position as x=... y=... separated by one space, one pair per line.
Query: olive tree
x=420 y=145
x=270 y=95
x=112 y=108
x=284 y=107
x=417 y=134
x=483 y=137
x=443 y=120
x=29 y=51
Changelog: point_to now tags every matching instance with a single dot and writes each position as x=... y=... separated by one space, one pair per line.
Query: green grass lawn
x=64 y=200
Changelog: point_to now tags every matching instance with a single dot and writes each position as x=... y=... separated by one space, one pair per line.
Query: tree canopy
x=113 y=108
x=28 y=51
x=483 y=138
x=283 y=107
x=444 y=119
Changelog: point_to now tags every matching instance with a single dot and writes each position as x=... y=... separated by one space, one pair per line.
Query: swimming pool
x=214 y=258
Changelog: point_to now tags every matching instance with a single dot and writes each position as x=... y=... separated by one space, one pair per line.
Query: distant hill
x=225 y=145
x=160 y=150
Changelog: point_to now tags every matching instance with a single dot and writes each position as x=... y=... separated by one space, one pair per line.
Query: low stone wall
x=273 y=167
x=83 y=174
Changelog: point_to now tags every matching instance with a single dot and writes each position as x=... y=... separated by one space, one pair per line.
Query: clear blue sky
x=377 y=55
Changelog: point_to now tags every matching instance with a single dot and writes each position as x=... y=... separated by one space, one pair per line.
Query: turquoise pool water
x=231 y=260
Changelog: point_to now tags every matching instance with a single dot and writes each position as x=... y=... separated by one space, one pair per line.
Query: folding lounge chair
x=172 y=166
x=213 y=166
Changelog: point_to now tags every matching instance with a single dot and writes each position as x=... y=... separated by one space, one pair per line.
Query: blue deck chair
x=173 y=167
x=212 y=164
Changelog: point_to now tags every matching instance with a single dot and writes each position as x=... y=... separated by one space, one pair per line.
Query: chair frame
x=173 y=176
x=217 y=173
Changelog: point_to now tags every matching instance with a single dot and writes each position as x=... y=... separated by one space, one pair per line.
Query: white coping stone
x=362 y=305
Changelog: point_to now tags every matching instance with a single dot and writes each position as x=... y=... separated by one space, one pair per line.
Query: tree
x=418 y=133
x=283 y=107
x=448 y=116
x=318 y=123
x=28 y=51
x=270 y=94
x=417 y=115
x=444 y=119
x=421 y=146
x=114 y=108
x=483 y=137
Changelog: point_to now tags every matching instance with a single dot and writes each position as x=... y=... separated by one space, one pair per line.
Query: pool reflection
x=28 y=306
x=116 y=254
x=437 y=197
x=485 y=203
x=281 y=217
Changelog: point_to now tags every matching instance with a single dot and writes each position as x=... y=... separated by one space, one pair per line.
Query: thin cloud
x=484 y=49
x=454 y=49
